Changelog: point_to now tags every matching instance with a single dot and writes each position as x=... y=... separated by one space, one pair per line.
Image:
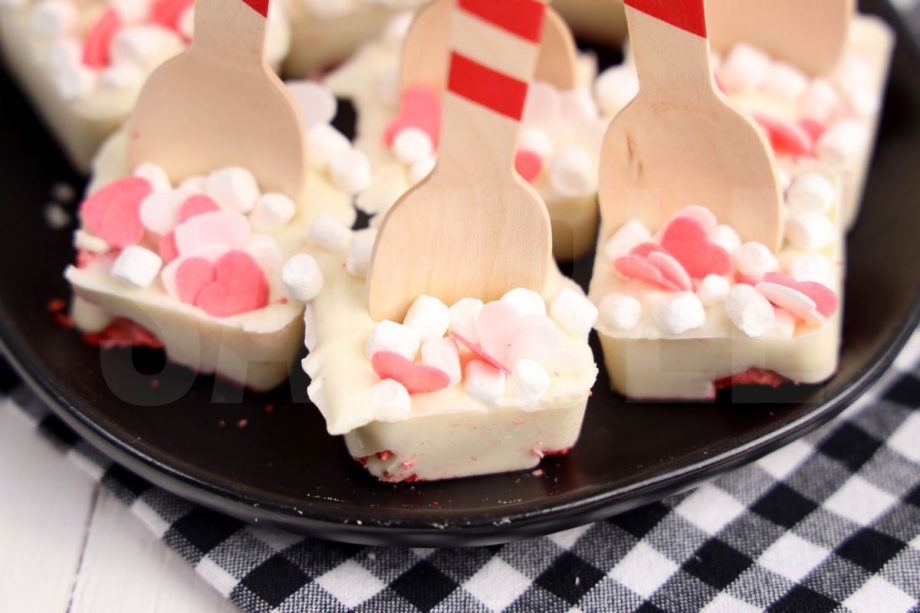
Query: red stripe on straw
x=259 y=6
x=523 y=18
x=689 y=15
x=480 y=84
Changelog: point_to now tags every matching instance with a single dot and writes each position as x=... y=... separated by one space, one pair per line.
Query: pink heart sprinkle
x=113 y=212
x=644 y=249
x=99 y=38
x=194 y=275
x=168 y=249
x=528 y=164
x=671 y=269
x=198 y=204
x=635 y=267
x=686 y=239
x=825 y=299
x=786 y=138
x=416 y=378
x=420 y=107
x=793 y=301
x=478 y=351
x=239 y=286
x=498 y=325
x=167 y=12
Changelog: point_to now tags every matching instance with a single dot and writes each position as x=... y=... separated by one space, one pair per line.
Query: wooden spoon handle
x=231 y=32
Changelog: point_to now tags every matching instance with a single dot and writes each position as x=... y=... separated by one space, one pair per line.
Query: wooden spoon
x=679 y=142
x=219 y=104
x=425 y=54
x=808 y=34
x=473 y=228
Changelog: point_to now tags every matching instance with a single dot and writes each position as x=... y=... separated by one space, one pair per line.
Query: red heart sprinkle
x=528 y=164
x=99 y=38
x=685 y=238
x=196 y=205
x=825 y=299
x=239 y=286
x=113 y=212
x=635 y=267
x=786 y=138
x=194 y=275
x=417 y=378
x=670 y=269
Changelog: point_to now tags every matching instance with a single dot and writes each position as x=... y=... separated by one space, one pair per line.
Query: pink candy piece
x=643 y=249
x=99 y=38
x=478 y=351
x=113 y=212
x=528 y=164
x=498 y=326
x=199 y=204
x=786 y=138
x=636 y=267
x=239 y=286
x=416 y=378
x=193 y=276
x=217 y=228
x=420 y=108
x=793 y=301
x=167 y=12
x=825 y=299
x=168 y=250
x=686 y=239
x=671 y=269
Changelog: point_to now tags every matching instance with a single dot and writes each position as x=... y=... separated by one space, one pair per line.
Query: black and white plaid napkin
x=830 y=522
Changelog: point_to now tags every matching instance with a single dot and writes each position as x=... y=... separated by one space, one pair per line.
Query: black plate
x=281 y=467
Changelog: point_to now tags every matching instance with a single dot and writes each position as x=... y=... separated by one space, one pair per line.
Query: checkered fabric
x=830 y=522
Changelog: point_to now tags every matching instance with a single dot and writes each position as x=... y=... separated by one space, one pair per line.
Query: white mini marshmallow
x=843 y=142
x=713 y=289
x=302 y=277
x=63 y=52
x=679 y=313
x=154 y=174
x=73 y=81
x=131 y=11
x=272 y=212
x=744 y=69
x=121 y=76
x=783 y=324
x=429 y=317
x=330 y=234
x=632 y=234
x=84 y=241
x=866 y=101
x=854 y=71
x=265 y=250
x=390 y=399
x=543 y=105
x=159 y=211
x=137 y=266
x=754 y=260
x=234 y=188
x=441 y=353
x=810 y=192
x=483 y=382
x=620 y=311
x=351 y=170
x=785 y=82
x=324 y=143
x=528 y=380
x=412 y=144
x=358 y=260
x=536 y=140
x=615 y=88
x=196 y=184
x=819 y=101
x=725 y=237
x=812 y=267
x=572 y=173
x=421 y=169
x=88 y=317
x=145 y=46
x=809 y=231
x=749 y=310
x=525 y=301
x=464 y=315
x=574 y=312
x=784 y=178
x=577 y=105
x=317 y=104
x=393 y=337
x=53 y=18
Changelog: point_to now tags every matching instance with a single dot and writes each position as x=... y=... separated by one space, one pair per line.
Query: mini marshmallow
x=865 y=101
x=679 y=313
x=84 y=241
x=412 y=144
x=272 y=212
x=784 y=81
x=234 y=188
x=632 y=234
x=390 y=399
x=196 y=184
x=351 y=171
x=429 y=317
x=121 y=76
x=421 y=169
x=572 y=174
x=137 y=266
x=577 y=105
x=89 y=317
x=819 y=102
x=749 y=311
x=528 y=380
x=73 y=81
x=713 y=289
x=483 y=382
x=317 y=104
x=154 y=174
x=809 y=231
x=810 y=192
x=853 y=72
x=525 y=301
x=754 y=260
x=442 y=353
x=330 y=234
x=615 y=88
x=63 y=52
x=574 y=312
x=812 y=267
x=145 y=46
x=701 y=214
x=53 y=18
x=784 y=178
x=620 y=311
x=391 y=336
x=725 y=237
x=783 y=324
x=464 y=315
x=324 y=143
x=265 y=251
x=131 y=11
x=844 y=141
x=358 y=260
x=159 y=211
x=744 y=69
x=543 y=105
x=302 y=277
x=536 y=140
